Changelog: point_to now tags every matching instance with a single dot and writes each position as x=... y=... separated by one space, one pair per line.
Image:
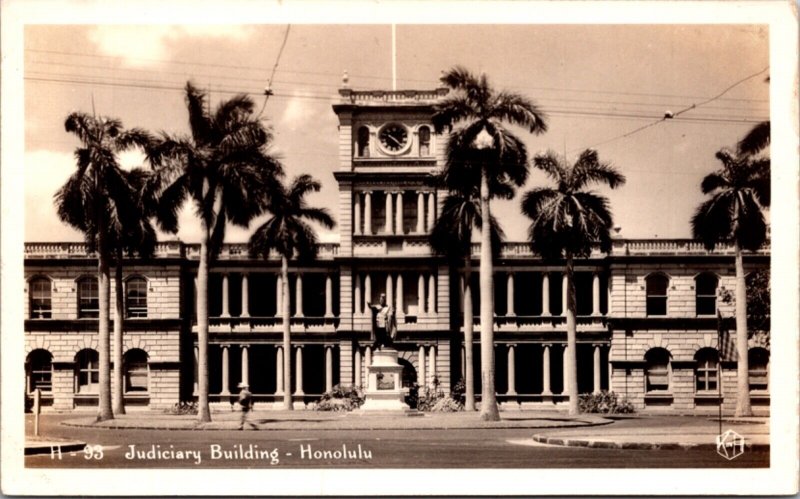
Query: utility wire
x=554 y=111
x=373 y=77
x=669 y=115
x=268 y=90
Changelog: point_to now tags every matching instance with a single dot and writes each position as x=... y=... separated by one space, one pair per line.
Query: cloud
x=142 y=46
x=298 y=113
x=45 y=172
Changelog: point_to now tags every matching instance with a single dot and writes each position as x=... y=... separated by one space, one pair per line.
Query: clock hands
x=394 y=139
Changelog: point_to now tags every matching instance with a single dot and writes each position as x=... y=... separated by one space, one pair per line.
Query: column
x=510 y=295
x=432 y=293
x=564 y=294
x=546 y=370
x=545 y=294
x=421 y=295
x=596 y=365
x=357 y=362
x=225 y=305
x=367 y=291
x=389 y=289
x=367 y=364
x=399 y=215
x=278 y=295
x=245 y=296
x=596 y=294
x=225 y=371
x=196 y=367
x=368 y=213
x=389 y=214
x=298 y=366
x=357 y=303
x=328 y=296
x=328 y=368
x=298 y=291
x=279 y=370
x=512 y=371
x=431 y=210
x=464 y=363
x=564 y=375
x=420 y=212
x=399 y=294
x=432 y=364
x=357 y=213
x=421 y=372
x=246 y=364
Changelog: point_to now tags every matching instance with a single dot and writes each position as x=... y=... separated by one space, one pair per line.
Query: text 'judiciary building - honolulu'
x=647 y=312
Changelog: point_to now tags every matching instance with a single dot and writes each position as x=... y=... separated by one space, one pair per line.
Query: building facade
x=647 y=312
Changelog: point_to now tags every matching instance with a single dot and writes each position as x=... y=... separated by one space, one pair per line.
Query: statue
x=384 y=324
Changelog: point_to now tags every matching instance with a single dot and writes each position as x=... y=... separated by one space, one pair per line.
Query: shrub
x=605 y=403
x=341 y=398
x=183 y=408
x=434 y=400
x=458 y=391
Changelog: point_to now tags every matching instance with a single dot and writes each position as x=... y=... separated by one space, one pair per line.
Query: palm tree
x=96 y=201
x=567 y=222
x=288 y=234
x=756 y=140
x=451 y=236
x=739 y=191
x=224 y=169
x=138 y=237
x=484 y=154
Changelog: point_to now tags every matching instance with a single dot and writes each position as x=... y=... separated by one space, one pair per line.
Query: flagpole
x=394 y=57
x=719 y=379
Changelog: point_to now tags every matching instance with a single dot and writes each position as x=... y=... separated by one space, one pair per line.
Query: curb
x=606 y=444
x=49 y=447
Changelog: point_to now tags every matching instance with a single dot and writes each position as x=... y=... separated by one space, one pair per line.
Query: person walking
x=246 y=403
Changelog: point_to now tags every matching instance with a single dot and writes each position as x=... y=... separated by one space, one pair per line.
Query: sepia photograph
x=307 y=249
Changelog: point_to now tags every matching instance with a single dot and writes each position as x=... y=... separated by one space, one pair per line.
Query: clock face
x=393 y=137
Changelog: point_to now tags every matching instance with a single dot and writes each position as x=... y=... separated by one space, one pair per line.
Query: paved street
x=430 y=448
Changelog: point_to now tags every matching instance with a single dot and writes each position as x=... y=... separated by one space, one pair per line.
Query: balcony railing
x=78 y=250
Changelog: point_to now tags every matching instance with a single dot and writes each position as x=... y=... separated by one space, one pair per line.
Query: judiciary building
x=647 y=325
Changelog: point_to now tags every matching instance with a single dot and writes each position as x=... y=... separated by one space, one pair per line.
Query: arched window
x=657 y=285
x=424 y=141
x=87 y=371
x=706 y=372
x=39 y=365
x=657 y=370
x=88 y=298
x=706 y=294
x=363 y=142
x=758 y=360
x=41 y=303
x=136 y=297
x=135 y=369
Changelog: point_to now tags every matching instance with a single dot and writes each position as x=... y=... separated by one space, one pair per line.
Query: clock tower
x=388 y=151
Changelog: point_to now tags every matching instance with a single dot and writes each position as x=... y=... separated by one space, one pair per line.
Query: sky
x=596 y=83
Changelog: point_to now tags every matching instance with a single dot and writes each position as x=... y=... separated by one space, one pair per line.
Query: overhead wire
x=268 y=90
x=669 y=115
x=381 y=78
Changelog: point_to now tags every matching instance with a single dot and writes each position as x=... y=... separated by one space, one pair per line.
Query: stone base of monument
x=384 y=387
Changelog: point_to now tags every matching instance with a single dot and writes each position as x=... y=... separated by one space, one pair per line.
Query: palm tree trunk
x=572 y=343
x=287 y=341
x=489 y=409
x=119 y=314
x=104 y=411
x=469 y=374
x=742 y=365
x=203 y=410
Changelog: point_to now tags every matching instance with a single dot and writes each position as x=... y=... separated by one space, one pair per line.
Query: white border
x=780 y=478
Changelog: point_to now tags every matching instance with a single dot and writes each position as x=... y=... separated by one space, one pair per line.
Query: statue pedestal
x=384 y=387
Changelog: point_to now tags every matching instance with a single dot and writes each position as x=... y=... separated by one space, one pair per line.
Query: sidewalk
x=311 y=420
x=663 y=433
